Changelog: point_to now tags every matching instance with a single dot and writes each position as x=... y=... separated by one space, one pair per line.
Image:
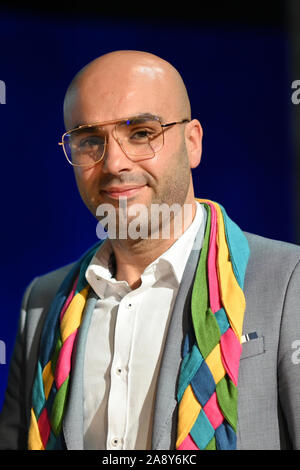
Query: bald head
x=125 y=83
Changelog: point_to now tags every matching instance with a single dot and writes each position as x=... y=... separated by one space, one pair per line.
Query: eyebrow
x=143 y=116
x=138 y=117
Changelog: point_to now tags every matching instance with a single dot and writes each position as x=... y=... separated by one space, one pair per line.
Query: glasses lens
x=84 y=146
x=140 y=136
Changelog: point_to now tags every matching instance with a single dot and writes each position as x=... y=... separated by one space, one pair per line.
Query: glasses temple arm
x=175 y=122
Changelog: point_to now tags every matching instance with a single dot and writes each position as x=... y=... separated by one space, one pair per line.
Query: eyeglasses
x=140 y=137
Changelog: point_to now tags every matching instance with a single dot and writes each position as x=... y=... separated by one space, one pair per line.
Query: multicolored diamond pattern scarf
x=207 y=386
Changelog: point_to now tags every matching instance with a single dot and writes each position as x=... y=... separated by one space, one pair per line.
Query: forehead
x=104 y=97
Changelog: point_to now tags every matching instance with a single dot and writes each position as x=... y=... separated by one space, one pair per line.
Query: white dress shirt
x=125 y=344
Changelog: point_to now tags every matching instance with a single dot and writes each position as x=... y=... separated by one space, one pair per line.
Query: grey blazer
x=269 y=375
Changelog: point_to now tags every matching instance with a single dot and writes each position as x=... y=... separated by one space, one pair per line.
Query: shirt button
x=118 y=370
x=115 y=441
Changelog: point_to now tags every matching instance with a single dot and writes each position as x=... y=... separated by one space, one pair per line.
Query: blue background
x=239 y=82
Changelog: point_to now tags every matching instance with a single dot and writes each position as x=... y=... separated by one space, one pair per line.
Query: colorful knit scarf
x=207 y=386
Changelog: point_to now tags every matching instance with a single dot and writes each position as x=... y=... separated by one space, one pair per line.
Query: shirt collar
x=175 y=258
x=177 y=255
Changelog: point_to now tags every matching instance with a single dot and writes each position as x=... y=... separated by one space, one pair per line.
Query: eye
x=140 y=134
x=138 y=131
x=90 y=143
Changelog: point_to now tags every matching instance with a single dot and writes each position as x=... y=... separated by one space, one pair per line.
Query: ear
x=193 y=141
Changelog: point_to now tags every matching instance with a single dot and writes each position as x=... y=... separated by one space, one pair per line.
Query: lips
x=122 y=191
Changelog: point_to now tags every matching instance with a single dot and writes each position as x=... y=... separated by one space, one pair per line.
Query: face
x=165 y=178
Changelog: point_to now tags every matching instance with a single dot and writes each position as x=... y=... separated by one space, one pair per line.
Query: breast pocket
x=253 y=347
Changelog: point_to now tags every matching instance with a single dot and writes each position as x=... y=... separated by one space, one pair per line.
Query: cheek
x=173 y=164
x=171 y=173
x=178 y=173
x=81 y=180
x=86 y=180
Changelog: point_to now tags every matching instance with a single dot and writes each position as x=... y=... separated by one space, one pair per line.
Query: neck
x=133 y=256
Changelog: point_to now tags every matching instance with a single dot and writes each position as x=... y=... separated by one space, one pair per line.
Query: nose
x=115 y=160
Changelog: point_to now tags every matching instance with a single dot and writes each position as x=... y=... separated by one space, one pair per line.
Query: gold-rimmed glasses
x=140 y=137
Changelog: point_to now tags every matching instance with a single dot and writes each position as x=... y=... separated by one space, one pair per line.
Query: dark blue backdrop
x=239 y=84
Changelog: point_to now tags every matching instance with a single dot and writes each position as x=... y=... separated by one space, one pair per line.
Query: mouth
x=115 y=192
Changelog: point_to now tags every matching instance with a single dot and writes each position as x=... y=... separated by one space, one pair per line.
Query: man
x=185 y=341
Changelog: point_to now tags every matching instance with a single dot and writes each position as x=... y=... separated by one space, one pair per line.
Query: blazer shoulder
x=44 y=287
x=271 y=261
x=272 y=250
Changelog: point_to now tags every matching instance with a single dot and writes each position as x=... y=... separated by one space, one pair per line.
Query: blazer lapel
x=73 y=421
x=165 y=417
